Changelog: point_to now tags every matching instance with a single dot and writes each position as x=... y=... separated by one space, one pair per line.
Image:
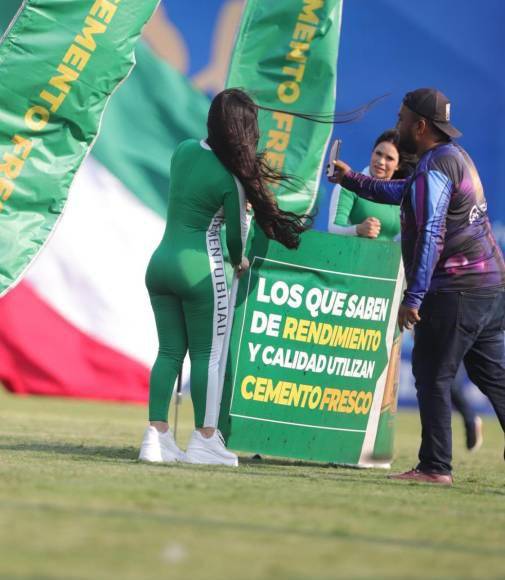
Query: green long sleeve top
x=202 y=196
x=347 y=210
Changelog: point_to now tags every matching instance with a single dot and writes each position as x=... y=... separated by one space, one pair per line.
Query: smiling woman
x=353 y=216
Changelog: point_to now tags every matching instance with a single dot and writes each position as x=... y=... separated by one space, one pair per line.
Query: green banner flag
x=309 y=373
x=59 y=63
x=286 y=57
x=9 y=9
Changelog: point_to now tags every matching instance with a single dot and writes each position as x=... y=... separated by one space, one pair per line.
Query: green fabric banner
x=7 y=13
x=59 y=64
x=286 y=58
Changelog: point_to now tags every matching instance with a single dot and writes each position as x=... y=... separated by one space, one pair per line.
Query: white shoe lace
x=220 y=436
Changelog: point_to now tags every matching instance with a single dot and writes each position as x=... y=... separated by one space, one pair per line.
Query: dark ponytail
x=233 y=135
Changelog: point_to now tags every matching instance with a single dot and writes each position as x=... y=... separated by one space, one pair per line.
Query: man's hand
x=341 y=169
x=407 y=317
x=369 y=228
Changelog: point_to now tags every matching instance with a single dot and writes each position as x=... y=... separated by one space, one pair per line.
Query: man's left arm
x=430 y=197
x=388 y=191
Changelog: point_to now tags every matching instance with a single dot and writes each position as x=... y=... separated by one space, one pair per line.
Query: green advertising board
x=308 y=374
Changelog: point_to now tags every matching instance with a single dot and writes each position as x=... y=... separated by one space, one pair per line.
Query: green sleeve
x=236 y=221
x=341 y=205
x=344 y=207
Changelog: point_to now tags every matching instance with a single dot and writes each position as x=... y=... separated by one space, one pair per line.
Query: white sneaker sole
x=203 y=457
x=146 y=459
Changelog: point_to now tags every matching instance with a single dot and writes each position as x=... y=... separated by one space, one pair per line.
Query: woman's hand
x=341 y=169
x=370 y=228
x=242 y=267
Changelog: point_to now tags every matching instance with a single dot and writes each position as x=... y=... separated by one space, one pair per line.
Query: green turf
x=74 y=503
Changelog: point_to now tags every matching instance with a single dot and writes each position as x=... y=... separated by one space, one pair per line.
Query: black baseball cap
x=434 y=106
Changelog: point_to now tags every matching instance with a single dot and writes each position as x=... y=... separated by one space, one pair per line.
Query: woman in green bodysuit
x=210 y=182
x=354 y=216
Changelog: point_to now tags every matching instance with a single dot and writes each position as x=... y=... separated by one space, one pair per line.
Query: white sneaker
x=159 y=447
x=209 y=451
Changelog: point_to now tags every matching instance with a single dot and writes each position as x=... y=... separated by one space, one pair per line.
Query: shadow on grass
x=267 y=460
x=279 y=462
x=98 y=451
x=264 y=468
x=76 y=450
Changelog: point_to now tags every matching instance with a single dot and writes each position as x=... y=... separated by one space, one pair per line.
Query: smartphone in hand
x=334 y=156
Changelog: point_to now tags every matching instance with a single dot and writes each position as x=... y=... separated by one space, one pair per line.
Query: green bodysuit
x=186 y=278
x=347 y=210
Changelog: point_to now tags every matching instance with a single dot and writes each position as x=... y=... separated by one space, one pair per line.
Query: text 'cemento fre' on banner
x=286 y=58
x=59 y=64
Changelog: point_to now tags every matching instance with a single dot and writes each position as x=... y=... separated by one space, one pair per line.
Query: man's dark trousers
x=455 y=327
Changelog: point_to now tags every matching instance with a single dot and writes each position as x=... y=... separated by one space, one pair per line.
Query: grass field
x=75 y=503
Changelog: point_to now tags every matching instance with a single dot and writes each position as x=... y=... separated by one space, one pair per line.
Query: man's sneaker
x=159 y=447
x=423 y=477
x=474 y=435
x=209 y=451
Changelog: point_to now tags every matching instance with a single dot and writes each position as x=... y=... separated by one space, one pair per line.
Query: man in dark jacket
x=455 y=295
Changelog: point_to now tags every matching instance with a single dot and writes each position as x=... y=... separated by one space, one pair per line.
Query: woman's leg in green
x=206 y=321
x=173 y=344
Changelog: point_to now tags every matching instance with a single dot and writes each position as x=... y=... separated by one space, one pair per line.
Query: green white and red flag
x=79 y=323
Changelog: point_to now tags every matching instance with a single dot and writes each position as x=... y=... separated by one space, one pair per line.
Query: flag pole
x=178 y=401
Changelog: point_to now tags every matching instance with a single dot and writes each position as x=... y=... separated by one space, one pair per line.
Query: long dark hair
x=406 y=161
x=233 y=135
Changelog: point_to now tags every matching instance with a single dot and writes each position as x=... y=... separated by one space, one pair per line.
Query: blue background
x=393 y=46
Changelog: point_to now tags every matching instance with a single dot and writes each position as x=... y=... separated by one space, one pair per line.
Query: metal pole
x=178 y=401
